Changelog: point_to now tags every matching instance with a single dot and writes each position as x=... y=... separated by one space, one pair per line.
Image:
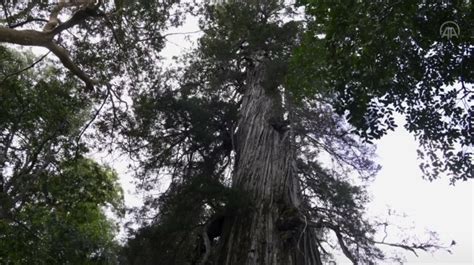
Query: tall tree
x=240 y=141
x=228 y=127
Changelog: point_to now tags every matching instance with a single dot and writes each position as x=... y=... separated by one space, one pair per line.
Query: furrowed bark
x=274 y=232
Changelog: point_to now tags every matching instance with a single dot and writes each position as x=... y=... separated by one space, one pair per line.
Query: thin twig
x=25 y=69
x=207 y=244
x=28 y=20
x=96 y=114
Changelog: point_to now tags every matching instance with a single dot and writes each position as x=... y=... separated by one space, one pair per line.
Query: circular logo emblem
x=449 y=29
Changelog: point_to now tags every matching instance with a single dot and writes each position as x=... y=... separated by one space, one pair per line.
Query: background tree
x=46 y=116
x=52 y=199
x=63 y=220
x=109 y=42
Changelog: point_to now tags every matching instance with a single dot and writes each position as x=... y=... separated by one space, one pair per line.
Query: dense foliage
x=332 y=81
x=112 y=40
x=185 y=128
x=52 y=199
x=378 y=59
x=63 y=221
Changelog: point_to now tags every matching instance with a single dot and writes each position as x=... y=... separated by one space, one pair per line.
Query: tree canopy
x=187 y=126
x=52 y=198
x=241 y=126
x=376 y=60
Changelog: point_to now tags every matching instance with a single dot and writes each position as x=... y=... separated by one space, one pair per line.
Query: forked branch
x=45 y=38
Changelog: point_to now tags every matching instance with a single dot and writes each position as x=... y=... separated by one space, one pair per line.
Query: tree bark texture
x=274 y=231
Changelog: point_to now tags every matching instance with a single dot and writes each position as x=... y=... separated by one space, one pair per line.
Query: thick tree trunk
x=273 y=232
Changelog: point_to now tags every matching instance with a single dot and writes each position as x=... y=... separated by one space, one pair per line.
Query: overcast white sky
x=436 y=205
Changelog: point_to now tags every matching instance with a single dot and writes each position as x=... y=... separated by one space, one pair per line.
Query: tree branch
x=77 y=18
x=344 y=248
x=340 y=238
x=28 y=20
x=5 y=12
x=207 y=244
x=25 y=37
x=45 y=39
x=65 y=59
